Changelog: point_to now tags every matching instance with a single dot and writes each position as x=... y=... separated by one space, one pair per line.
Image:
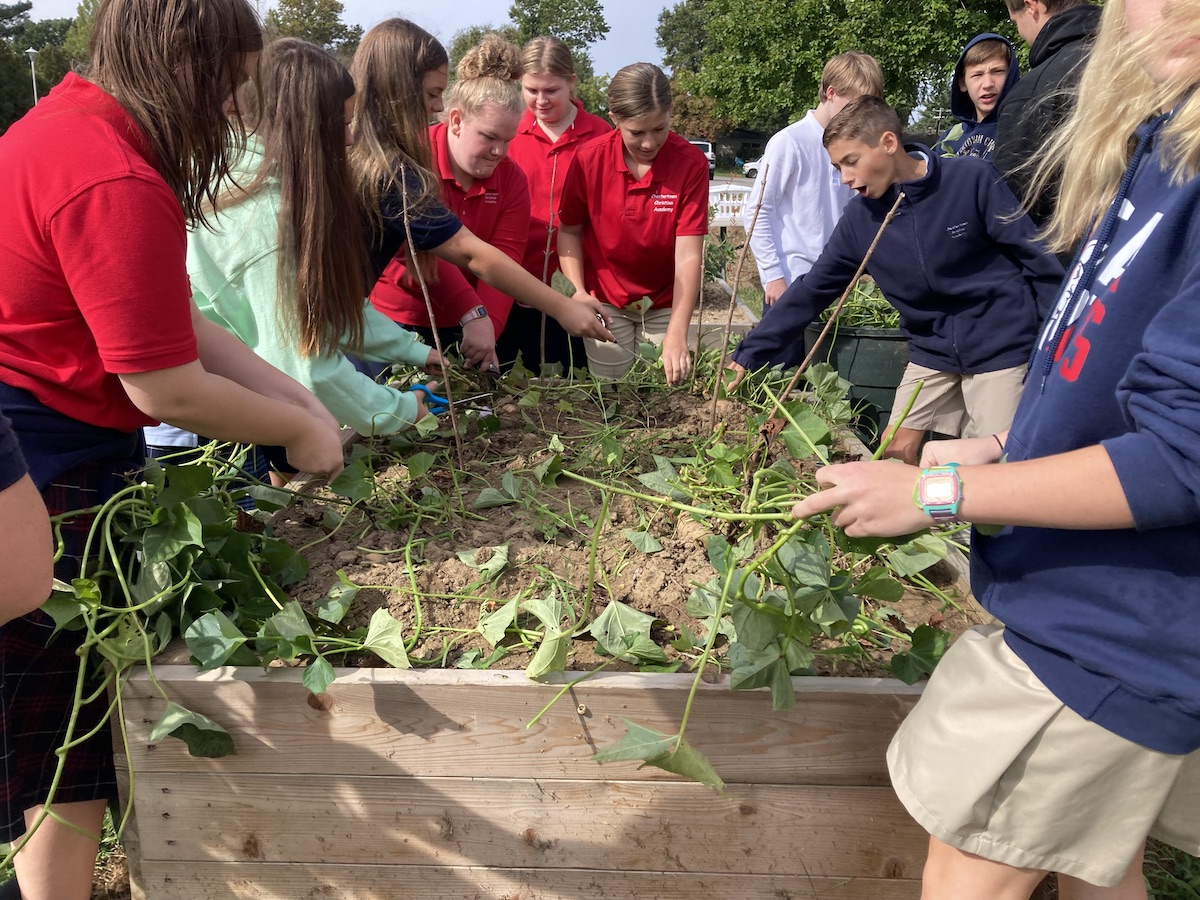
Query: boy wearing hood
x=986 y=71
x=958 y=262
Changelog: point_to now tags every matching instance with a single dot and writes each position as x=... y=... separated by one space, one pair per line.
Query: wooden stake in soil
x=437 y=341
x=774 y=425
x=737 y=278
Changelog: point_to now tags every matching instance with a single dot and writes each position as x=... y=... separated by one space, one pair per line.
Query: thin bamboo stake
x=437 y=341
x=737 y=277
x=769 y=433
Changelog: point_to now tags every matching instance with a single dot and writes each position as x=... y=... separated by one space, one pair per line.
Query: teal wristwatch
x=939 y=492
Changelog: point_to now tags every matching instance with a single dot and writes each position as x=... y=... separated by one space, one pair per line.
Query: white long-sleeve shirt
x=803 y=202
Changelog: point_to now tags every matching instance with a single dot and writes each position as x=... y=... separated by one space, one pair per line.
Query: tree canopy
x=318 y=21
x=19 y=33
x=577 y=23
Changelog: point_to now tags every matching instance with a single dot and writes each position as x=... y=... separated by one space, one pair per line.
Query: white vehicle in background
x=707 y=150
x=750 y=169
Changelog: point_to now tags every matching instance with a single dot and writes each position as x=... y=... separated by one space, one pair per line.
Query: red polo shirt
x=93 y=279
x=545 y=164
x=630 y=226
x=496 y=209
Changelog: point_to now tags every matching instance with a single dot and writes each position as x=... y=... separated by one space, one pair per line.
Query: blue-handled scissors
x=438 y=405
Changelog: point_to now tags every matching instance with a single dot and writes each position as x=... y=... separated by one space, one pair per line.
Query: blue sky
x=630 y=38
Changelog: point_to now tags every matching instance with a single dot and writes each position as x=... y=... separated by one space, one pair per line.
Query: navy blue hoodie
x=1110 y=620
x=969 y=282
x=972 y=137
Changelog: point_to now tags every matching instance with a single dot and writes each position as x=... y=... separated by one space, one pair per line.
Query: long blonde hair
x=1091 y=151
x=389 y=119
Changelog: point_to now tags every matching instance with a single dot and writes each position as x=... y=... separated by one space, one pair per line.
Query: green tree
x=80 y=33
x=46 y=36
x=19 y=33
x=318 y=21
x=683 y=35
x=764 y=58
x=577 y=23
x=13 y=17
x=16 y=92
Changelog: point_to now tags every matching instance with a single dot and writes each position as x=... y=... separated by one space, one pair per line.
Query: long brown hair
x=172 y=64
x=299 y=121
x=389 y=121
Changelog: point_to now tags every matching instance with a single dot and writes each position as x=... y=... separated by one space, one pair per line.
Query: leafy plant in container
x=869 y=350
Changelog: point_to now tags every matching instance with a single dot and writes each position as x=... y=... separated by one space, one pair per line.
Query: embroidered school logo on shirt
x=664 y=202
x=956 y=231
x=492 y=197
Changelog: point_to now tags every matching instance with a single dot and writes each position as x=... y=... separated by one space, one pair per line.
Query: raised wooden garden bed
x=401 y=784
x=582 y=529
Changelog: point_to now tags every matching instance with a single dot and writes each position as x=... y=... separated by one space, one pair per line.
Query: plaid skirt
x=39 y=675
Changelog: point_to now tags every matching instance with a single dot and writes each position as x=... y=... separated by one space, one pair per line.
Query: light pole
x=32 y=54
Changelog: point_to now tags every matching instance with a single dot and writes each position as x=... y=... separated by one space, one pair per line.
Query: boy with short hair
x=986 y=71
x=802 y=197
x=969 y=281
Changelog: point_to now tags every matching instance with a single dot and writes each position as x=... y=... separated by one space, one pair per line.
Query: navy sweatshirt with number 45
x=969 y=282
x=1110 y=620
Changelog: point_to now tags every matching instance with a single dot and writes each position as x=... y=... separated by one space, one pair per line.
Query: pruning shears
x=437 y=404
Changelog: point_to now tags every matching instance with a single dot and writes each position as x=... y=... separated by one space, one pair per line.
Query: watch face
x=939 y=490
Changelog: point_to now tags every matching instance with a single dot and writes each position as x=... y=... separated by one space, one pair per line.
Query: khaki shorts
x=990 y=762
x=631 y=328
x=959 y=405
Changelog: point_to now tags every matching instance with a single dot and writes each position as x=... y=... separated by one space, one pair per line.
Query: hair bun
x=492 y=57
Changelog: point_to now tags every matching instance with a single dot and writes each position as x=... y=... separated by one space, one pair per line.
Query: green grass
x=1171 y=874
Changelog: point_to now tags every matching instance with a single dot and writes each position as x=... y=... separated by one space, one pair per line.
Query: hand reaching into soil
x=677 y=361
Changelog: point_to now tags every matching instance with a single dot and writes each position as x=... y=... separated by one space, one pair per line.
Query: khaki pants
x=959 y=405
x=989 y=761
x=631 y=328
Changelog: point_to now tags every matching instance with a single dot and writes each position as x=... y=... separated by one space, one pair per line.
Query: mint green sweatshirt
x=233 y=273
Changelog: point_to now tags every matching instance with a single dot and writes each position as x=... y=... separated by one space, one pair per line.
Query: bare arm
x=570 y=256
x=196 y=400
x=1076 y=490
x=26 y=566
x=689 y=267
x=221 y=353
x=583 y=318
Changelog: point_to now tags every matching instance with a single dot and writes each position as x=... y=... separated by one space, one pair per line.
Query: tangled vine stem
x=681 y=507
x=833 y=317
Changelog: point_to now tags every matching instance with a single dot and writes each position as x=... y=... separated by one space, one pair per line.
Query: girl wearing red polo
x=98 y=337
x=554 y=126
x=400 y=192
x=484 y=189
x=632 y=225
